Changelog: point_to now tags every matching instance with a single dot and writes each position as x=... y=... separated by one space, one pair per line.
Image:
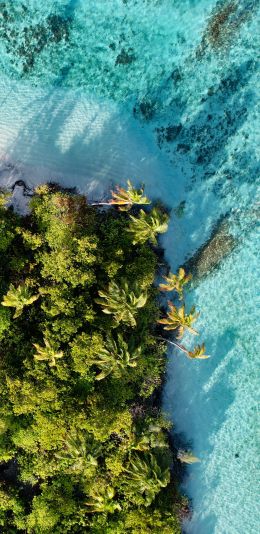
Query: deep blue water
x=164 y=91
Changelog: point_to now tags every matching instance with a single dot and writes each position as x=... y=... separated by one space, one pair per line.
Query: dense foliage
x=83 y=445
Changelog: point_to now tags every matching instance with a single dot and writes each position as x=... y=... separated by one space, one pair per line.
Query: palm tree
x=176 y=318
x=80 y=451
x=187 y=457
x=126 y=198
x=122 y=303
x=151 y=437
x=102 y=501
x=197 y=354
x=116 y=357
x=47 y=353
x=147 y=226
x=145 y=478
x=176 y=282
x=18 y=298
x=4 y=197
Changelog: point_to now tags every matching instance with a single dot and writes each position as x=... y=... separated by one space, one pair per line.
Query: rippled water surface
x=164 y=91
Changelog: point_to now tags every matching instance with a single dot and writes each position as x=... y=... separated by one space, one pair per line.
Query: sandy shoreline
x=64 y=136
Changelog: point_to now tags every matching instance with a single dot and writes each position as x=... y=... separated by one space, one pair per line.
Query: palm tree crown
x=145 y=478
x=126 y=198
x=198 y=353
x=18 y=298
x=147 y=226
x=47 y=353
x=116 y=357
x=151 y=437
x=80 y=452
x=121 y=302
x=176 y=282
x=102 y=500
x=176 y=318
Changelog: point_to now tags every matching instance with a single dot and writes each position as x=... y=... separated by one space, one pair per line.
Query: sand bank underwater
x=188 y=130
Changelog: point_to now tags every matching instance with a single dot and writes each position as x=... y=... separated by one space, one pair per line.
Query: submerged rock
x=224 y=23
x=25 y=41
x=168 y=133
x=210 y=254
x=179 y=210
x=27 y=191
x=125 y=57
x=144 y=110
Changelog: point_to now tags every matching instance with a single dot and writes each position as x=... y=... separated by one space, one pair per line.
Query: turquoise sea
x=164 y=92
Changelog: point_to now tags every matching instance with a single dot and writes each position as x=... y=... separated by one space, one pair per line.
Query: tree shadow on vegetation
x=95 y=150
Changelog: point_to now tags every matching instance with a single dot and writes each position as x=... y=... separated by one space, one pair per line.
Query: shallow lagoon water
x=93 y=93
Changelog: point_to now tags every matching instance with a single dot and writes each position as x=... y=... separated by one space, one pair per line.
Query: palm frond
x=176 y=282
x=122 y=302
x=147 y=226
x=177 y=318
x=126 y=198
x=187 y=457
x=18 y=298
x=47 y=353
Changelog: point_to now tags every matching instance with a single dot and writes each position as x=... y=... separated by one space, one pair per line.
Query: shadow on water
x=221 y=113
x=219 y=119
x=199 y=145
x=206 y=525
x=71 y=7
x=43 y=139
x=80 y=140
x=212 y=396
x=197 y=396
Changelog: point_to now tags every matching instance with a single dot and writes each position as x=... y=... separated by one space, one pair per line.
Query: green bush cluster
x=83 y=445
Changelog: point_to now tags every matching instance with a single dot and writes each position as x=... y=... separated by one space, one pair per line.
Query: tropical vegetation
x=84 y=446
x=176 y=282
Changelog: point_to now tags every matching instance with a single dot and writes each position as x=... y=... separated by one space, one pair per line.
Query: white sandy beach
x=91 y=144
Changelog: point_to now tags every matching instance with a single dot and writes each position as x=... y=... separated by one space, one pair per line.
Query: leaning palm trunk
x=175 y=344
x=100 y=204
x=124 y=199
x=197 y=353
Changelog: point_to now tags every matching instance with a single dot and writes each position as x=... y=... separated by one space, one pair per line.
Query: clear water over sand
x=96 y=92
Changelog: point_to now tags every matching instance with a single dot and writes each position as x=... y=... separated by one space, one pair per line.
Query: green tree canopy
x=80 y=423
x=147 y=226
